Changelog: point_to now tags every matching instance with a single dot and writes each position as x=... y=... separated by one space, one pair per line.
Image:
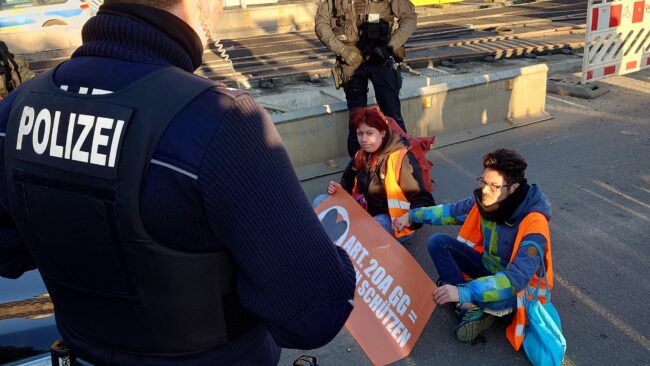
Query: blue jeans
x=383 y=219
x=452 y=258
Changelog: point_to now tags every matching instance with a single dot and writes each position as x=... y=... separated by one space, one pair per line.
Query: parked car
x=27 y=327
x=18 y=15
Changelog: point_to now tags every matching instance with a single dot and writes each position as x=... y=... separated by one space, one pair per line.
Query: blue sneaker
x=473 y=321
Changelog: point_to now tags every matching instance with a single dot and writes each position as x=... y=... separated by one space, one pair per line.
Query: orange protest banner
x=394 y=296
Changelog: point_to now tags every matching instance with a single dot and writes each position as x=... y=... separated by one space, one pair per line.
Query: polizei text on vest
x=86 y=138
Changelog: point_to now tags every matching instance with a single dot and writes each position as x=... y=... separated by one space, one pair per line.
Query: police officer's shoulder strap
x=179 y=86
x=168 y=90
x=155 y=98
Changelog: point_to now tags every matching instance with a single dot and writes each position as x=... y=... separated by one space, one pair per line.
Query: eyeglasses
x=493 y=187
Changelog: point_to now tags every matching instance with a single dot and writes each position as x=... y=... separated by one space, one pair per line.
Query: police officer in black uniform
x=162 y=211
x=368 y=39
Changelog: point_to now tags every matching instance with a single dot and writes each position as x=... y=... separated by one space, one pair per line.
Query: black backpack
x=14 y=71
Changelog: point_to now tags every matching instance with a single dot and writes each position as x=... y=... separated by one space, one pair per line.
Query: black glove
x=351 y=55
x=380 y=54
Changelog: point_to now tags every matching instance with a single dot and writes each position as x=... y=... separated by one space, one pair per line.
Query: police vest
x=74 y=166
x=369 y=22
x=471 y=233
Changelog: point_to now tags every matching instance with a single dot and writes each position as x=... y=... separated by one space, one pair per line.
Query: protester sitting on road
x=371 y=176
x=501 y=221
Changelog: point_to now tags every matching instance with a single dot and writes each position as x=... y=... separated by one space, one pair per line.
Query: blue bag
x=543 y=340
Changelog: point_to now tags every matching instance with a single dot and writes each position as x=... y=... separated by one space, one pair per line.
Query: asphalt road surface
x=593 y=162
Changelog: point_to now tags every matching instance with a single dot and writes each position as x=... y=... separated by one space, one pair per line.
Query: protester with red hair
x=384 y=177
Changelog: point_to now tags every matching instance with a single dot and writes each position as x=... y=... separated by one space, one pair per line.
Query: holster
x=337 y=74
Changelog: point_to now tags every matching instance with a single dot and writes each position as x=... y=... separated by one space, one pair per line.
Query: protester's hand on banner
x=401 y=222
x=445 y=294
x=394 y=295
x=333 y=187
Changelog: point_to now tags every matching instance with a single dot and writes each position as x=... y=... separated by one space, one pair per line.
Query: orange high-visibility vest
x=471 y=234
x=398 y=204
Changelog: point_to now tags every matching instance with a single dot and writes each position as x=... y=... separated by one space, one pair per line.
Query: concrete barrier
x=454 y=111
x=267 y=19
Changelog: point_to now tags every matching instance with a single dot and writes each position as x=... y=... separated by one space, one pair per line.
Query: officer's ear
x=202 y=15
x=514 y=187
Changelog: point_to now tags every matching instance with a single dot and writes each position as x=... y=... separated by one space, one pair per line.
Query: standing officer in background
x=368 y=45
x=162 y=212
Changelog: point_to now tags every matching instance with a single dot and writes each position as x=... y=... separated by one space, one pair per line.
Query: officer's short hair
x=160 y=4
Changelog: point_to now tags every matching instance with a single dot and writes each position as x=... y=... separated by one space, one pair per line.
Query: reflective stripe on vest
x=472 y=235
x=398 y=204
x=463 y=240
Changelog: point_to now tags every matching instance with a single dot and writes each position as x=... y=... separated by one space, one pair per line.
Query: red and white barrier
x=617 y=39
